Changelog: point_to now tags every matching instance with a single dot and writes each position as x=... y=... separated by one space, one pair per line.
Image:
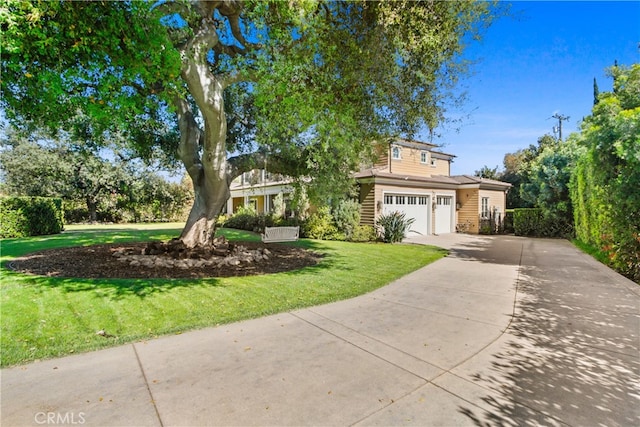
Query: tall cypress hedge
x=605 y=185
x=30 y=216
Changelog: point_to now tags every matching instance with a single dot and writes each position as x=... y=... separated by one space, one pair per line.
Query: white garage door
x=414 y=206
x=443 y=215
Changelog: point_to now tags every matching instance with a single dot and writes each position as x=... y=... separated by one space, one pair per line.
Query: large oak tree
x=301 y=86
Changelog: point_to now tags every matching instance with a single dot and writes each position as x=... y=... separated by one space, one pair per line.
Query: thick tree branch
x=190 y=139
x=228 y=79
x=272 y=162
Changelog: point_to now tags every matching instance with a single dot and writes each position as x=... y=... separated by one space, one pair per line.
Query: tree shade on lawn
x=44 y=317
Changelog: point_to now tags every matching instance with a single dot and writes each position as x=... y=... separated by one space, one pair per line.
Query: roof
x=481 y=182
x=440 y=181
x=419 y=146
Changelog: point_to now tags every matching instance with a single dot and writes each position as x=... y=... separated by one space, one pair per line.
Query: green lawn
x=45 y=317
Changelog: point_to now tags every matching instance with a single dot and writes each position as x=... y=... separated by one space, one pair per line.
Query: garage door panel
x=414 y=206
x=443 y=215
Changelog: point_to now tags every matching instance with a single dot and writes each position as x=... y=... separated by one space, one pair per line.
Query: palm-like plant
x=393 y=226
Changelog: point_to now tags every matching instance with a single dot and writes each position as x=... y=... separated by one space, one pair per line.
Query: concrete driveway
x=504 y=331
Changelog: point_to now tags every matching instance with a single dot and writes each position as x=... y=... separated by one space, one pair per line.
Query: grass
x=593 y=251
x=44 y=317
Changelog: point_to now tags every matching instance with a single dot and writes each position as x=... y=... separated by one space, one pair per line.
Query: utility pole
x=560 y=118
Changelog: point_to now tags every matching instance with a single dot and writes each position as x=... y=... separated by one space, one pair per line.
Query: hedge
x=528 y=222
x=30 y=216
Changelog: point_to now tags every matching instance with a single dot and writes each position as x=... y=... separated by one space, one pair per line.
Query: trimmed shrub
x=246 y=219
x=364 y=233
x=528 y=222
x=533 y=222
x=394 y=226
x=30 y=216
x=13 y=222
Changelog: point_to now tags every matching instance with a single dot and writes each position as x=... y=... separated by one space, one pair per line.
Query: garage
x=413 y=205
x=443 y=214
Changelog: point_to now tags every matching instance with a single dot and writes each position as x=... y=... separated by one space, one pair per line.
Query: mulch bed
x=97 y=261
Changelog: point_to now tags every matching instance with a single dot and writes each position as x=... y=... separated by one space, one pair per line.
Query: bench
x=280 y=234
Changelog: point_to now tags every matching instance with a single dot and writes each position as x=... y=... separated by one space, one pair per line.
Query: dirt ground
x=98 y=262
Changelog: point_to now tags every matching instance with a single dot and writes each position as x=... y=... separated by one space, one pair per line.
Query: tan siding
x=443 y=167
x=410 y=164
x=469 y=209
x=368 y=204
x=497 y=199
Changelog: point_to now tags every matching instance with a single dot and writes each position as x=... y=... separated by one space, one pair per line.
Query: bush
x=394 y=226
x=364 y=233
x=533 y=222
x=30 y=216
x=528 y=222
x=320 y=226
x=249 y=220
x=346 y=217
x=13 y=223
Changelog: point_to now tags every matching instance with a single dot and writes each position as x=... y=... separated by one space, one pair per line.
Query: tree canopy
x=305 y=84
x=92 y=185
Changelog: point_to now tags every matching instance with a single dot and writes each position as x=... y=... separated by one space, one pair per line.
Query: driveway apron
x=503 y=331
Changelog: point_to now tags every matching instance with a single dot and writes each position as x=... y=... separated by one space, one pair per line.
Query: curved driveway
x=504 y=331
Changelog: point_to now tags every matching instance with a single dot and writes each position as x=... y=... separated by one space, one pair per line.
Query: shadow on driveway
x=572 y=352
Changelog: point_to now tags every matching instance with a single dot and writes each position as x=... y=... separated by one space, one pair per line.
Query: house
x=258 y=188
x=408 y=176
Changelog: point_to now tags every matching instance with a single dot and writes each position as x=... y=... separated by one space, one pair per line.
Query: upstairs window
x=395 y=153
x=424 y=157
x=434 y=162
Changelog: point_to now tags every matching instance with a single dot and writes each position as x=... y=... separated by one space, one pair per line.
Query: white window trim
x=393 y=148
x=426 y=157
x=484 y=213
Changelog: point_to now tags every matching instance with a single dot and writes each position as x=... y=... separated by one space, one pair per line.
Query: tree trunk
x=203 y=151
x=92 y=208
x=201 y=225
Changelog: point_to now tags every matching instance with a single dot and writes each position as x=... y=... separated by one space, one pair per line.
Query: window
x=388 y=200
x=399 y=200
x=485 y=207
x=443 y=201
x=395 y=153
x=411 y=200
x=424 y=157
x=423 y=200
x=434 y=162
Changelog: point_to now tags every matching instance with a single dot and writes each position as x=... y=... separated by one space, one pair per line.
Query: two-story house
x=408 y=176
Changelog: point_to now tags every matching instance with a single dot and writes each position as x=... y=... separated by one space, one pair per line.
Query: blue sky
x=540 y=61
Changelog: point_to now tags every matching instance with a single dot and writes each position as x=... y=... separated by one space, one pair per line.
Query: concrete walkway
x=504 y=331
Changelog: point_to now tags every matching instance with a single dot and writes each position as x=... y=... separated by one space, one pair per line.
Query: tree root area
x=106 y=262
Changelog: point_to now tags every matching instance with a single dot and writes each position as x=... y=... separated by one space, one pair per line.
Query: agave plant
x=393 y=226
